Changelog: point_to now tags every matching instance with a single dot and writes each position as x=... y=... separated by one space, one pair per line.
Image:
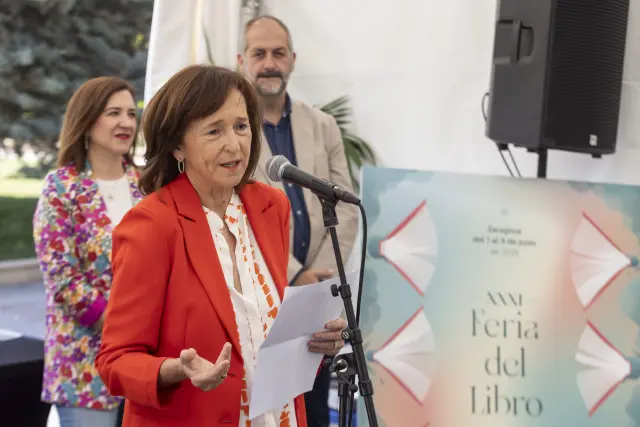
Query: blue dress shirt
x=280 y=139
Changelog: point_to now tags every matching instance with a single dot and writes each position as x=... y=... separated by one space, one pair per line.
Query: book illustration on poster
x=412 y=248
x=394 y=402
x=595 y=261
x=605 y=368
x=409 y=355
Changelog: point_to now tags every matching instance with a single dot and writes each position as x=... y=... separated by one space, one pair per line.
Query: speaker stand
x=542 y=163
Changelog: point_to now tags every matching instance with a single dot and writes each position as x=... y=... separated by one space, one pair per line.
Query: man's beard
x=270 y=90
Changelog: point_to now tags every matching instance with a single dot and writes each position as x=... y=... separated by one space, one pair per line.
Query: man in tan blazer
x=311 y=140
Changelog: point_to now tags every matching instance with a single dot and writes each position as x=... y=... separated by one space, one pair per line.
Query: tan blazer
x=319 y=151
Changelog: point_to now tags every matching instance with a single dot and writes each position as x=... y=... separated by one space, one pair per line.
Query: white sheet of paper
x=285 y=367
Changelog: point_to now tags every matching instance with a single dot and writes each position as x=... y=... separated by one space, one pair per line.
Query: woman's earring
x=86 y=142
x=181 y=166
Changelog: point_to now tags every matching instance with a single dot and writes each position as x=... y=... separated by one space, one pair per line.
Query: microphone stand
x=347 y=366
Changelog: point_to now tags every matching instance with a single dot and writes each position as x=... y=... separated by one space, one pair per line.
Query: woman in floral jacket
x=94 y=185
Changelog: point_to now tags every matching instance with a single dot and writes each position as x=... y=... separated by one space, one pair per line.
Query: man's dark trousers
x=317 y=400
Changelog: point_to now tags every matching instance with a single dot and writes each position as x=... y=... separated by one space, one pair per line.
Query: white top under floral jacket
x=72 y=234
x=255 y=308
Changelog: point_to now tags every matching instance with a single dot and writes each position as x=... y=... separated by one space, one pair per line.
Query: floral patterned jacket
x=72 y=235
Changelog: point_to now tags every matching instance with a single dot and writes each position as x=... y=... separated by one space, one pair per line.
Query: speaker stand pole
x=348 y=366
x=542 y=163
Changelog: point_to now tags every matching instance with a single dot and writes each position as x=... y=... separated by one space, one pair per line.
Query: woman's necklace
x=108 y=188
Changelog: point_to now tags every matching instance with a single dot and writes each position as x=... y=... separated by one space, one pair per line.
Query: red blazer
x=169 y=293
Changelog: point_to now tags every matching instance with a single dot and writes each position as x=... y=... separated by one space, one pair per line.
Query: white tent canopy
x=415 y=71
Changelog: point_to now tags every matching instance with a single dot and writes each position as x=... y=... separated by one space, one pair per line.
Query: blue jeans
x=81 y=417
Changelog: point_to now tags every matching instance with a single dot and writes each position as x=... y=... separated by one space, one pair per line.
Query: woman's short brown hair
x=83 y=110
x=193 y=93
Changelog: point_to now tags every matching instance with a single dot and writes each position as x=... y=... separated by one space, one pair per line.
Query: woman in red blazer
x=200 y=265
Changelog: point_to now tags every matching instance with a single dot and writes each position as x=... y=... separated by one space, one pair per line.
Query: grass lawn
x=18 y=197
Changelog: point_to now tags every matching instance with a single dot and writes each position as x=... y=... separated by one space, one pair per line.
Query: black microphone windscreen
x=274 y=167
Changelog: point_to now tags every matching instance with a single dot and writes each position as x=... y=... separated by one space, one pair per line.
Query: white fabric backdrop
x=177 y=37
x=415 y=70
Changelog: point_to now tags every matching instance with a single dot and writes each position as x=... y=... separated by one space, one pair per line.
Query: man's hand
x=308 y=277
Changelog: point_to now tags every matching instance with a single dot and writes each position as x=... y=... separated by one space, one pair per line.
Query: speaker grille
x=586 y=63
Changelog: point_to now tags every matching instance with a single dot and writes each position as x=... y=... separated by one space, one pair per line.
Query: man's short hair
x=252 y=21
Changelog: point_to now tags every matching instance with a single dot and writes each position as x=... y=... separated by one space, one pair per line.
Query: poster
x=496 y=302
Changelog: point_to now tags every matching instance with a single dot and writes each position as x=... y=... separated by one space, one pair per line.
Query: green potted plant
x=357 y=150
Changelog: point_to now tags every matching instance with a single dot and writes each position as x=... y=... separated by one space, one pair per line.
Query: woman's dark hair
x=83 y=110
x=192 y=94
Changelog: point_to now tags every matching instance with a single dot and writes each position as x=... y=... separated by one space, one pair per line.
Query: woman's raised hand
x=202 y=373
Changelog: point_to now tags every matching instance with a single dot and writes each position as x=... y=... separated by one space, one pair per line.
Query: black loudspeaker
x=557 y=74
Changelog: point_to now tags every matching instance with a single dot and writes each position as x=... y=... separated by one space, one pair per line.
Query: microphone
x=279 y=169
